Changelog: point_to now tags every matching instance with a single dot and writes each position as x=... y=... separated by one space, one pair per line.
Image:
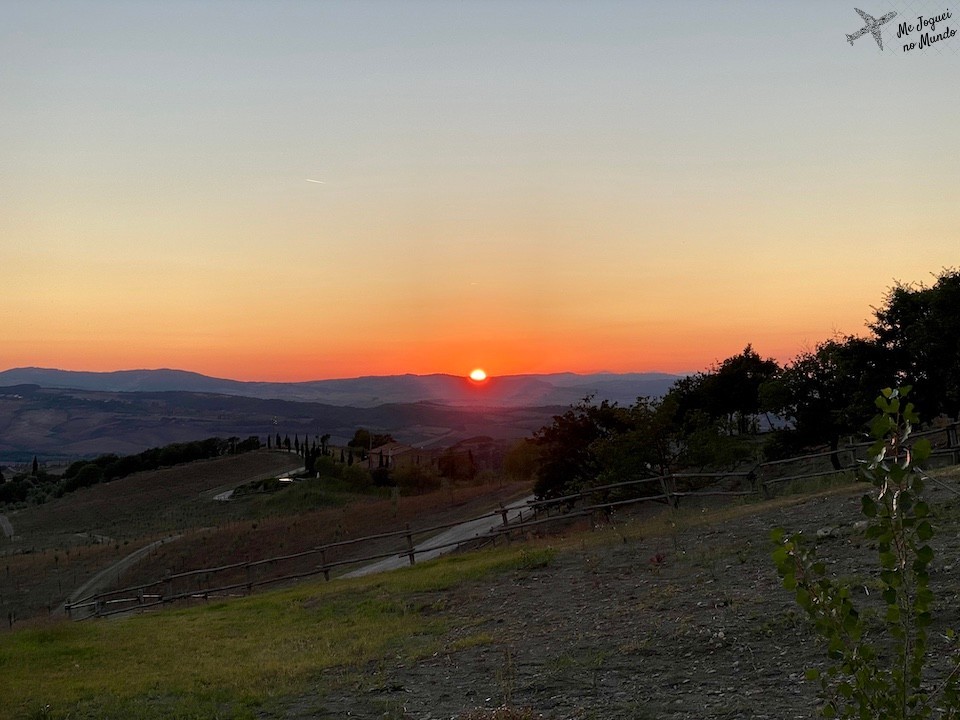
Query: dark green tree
x=728 y=395
x=827 y=393
x=919 y=327
x=457 y=465
x=361 y=439
x=568 y=450
x=366 y=440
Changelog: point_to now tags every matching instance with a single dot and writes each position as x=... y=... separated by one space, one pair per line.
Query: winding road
x=444 y=542
x=102 y=580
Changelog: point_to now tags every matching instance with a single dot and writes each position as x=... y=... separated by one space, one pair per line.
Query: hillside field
x=658 y=614
x=60 y=545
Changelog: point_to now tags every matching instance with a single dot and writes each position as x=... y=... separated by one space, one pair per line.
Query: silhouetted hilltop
x=506 y=391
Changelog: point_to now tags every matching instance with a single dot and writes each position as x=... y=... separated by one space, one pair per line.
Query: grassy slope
x=62 y=543
x=229 y=659
x=226 y=659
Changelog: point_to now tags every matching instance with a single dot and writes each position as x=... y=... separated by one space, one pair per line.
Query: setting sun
x=478 y=375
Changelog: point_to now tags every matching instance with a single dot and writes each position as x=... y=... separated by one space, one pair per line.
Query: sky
x=522 y=186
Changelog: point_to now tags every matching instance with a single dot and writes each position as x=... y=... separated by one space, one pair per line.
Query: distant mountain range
x=62 y=414
x=365 y=392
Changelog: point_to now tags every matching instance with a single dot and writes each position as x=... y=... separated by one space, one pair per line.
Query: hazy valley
x=58 y=414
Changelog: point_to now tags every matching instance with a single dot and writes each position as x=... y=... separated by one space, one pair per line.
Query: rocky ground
x=687 y=623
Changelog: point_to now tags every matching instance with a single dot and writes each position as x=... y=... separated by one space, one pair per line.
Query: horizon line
x=490 y=376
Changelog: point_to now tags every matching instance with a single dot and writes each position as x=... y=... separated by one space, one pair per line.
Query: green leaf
x=812 y=674
x=910 y=414
x=891 y=578
x=924 y=531
x=868 y=506
x=780 y=555
x=921 y=450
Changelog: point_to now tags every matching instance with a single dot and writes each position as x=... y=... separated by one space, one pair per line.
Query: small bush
x=887 y=679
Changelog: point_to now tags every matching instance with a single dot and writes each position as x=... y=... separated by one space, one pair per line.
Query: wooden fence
x=243 y=577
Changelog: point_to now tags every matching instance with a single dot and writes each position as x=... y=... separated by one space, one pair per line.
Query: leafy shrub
x=867 y=679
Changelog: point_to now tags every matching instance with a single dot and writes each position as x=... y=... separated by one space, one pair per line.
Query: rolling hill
x=60 y=414
x=506 y=391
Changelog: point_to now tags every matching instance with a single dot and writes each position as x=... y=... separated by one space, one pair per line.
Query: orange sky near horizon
x=523 y=187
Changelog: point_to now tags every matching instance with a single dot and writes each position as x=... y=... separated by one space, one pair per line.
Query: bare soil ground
x=679 y=617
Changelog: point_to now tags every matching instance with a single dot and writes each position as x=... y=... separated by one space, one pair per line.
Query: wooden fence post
x=667 y=494
x=503 y=514
x=410 y=551
x=952 y=444
x=761 y=485
x=168 y=589
x=323 y=564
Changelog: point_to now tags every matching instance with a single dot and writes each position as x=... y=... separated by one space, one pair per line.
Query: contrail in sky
x=319 y=182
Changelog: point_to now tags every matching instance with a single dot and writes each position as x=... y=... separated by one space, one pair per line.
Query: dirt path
x=693 y=625
x=447 y=540
x=106 y=577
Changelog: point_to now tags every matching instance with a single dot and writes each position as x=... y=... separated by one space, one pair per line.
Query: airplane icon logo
x=872 y=26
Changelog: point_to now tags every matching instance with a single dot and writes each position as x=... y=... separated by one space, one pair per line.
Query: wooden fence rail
x=159 y=592
x=591 y=500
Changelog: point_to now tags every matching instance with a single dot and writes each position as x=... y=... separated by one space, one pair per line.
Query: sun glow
x=478 y=375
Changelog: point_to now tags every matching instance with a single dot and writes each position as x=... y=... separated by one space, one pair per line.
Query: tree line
x=748 y=408
x=108 y=467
